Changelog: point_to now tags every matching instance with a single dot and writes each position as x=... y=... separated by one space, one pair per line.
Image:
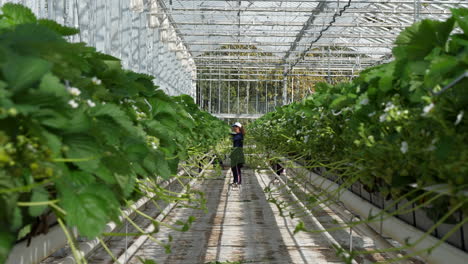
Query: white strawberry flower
x=383 y=118
x=459 y=117
x=389 y=106
x=427 y=109
x=96 y=81
x=404 y=147
x=364 y=101
x=74 y=91
x=73 y=104
x=90 y=103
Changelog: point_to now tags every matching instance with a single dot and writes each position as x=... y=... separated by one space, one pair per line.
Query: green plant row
x=77 y=130
x=394 y=125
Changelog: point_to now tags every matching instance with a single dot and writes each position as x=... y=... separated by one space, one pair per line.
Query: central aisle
x=240 y=227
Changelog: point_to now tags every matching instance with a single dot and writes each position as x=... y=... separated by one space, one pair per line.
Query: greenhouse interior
x=230 y=131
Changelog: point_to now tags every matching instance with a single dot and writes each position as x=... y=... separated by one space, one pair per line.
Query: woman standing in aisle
x=237 y=154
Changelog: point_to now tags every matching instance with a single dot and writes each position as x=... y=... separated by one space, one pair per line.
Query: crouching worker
x=237 y=154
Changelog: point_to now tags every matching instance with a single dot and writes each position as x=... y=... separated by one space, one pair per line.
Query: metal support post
x=276 y=93
x=247 y=98
x=285 y=86
x=256 y=96
x=292 y=89
x=209 y=102
x=266 y=97
x=238 y=96
x=229 y=94
x=219 y=91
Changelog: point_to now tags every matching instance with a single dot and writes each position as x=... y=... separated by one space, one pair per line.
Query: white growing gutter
x=391 y=226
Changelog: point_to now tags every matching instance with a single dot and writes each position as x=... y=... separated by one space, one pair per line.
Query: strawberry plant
x=395 y=124
x=77 y=130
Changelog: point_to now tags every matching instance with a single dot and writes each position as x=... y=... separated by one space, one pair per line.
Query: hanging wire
x=450 y=85
x=320 y=34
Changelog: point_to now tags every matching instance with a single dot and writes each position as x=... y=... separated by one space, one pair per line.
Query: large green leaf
x=439 y=67
x=39 y=194
x=136 y=151
x=62 y=30
x=90 y=209
x=51 y=118
x=105 y=174
x=51 y=84
x=83 y=150
x=79 y=123
x=461 y=16
x=118 y=115
x=159 y=163
x=23 y=71
x=53 y=141
x=386 y=79
x=18 y=14
x=416 y=41
x=6 y=243
x=126 y=182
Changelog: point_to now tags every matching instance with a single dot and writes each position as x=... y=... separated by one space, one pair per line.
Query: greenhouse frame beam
x=317 y=10
x=261 y=52
x=409 y=2
x=250 y=74
x=174 y=24
x=275 y=66
x=260 y=64
x=273 y=80
x=275 y=58
x=294 y=24
x=237 y=116
x=368 y=45
x=281 y=10
x=259 y=35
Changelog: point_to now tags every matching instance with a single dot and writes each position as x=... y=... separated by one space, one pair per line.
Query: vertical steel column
x=108 y=6
x=229 y=92
x=285 y=85
x=143 y=39
x=219 y=90
x=125 y=33
x=50 y=9
x=417 y=10
x=257 y=84
x=292 y=89
x=202 y=95
x=200 y=85
x=329 y=62
x=266 y=96
x=138 y=62
x=94 y=24
x=238 y=95
x=84 y=20
x=209 y=102
x=248 y=96
x=276 y=93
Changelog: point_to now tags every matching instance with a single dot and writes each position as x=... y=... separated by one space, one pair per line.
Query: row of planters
x=397 y=124
x=77 y=131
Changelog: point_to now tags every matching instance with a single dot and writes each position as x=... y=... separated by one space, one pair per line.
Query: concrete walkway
x=241 y=226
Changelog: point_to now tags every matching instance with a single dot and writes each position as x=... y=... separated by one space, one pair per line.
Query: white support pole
x=285 y=86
